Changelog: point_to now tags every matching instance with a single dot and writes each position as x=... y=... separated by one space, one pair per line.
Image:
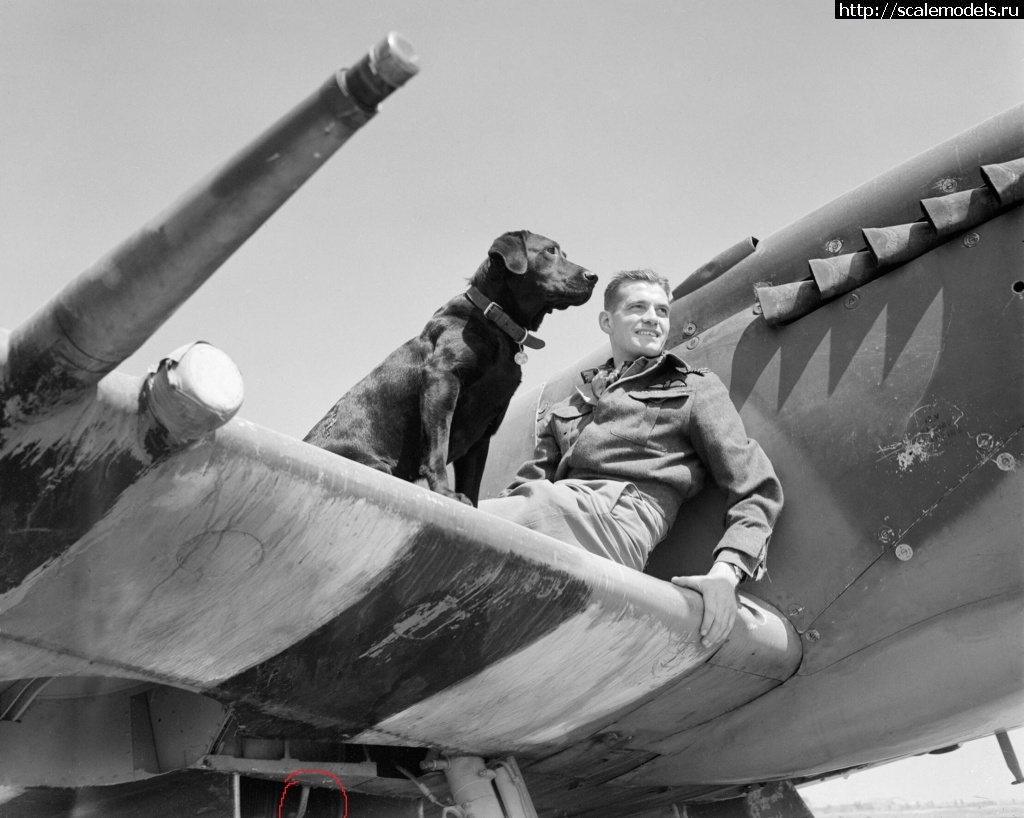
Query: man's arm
x=754 y=497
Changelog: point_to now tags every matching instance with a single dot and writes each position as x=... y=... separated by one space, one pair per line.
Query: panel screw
x=886 y=534
x=834 y=246
x=1006 y=461
x=984 y=441
x=904 y=552
x=971 y=240
x=851 y=301
x=693 y=343
x=796 y=610
x=689 y=328
x=812 y=635
x=947 y=185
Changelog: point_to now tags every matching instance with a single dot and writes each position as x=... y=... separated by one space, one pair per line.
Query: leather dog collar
x=497 y=315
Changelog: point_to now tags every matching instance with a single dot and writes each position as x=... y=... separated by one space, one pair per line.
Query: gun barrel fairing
x=108 y=311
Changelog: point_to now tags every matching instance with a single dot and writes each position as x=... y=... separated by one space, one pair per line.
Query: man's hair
x=624 y=277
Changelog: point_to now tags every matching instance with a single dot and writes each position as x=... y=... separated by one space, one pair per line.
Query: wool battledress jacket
x=664 y=428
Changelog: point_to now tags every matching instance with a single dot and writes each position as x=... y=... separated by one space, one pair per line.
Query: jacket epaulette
x=686 y=369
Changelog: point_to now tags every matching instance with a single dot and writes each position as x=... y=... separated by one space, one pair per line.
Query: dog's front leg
x=438 y=397
x=469 y=469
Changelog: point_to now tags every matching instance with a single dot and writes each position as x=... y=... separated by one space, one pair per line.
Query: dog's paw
x=455 y=495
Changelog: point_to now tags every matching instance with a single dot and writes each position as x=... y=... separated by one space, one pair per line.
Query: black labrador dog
x=439 y=397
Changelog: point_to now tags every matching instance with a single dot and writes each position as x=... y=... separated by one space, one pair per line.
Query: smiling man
x=614 y=462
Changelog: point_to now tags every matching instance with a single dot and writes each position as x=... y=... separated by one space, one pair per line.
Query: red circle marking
x=289 y=783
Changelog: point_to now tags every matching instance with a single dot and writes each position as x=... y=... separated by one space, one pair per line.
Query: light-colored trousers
x=606 y=517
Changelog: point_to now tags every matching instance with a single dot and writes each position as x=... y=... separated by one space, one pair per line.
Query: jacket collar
x=595 y=381
x=640 y=365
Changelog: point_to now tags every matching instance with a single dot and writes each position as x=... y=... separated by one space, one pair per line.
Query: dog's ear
x=512 y=249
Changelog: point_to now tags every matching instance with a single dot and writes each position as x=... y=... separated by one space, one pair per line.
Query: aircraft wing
x=317 y=598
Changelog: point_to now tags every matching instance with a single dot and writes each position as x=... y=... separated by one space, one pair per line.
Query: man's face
x=637 y=325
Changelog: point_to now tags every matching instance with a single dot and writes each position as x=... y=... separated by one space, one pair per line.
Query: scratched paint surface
x=585 y=670
x=61 y=474
x=445 y=610
x=149 y=589
x=925 y=441
x=591 y=668
x=988 y=557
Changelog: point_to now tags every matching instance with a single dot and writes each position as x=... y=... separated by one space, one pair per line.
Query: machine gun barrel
x=108 y=311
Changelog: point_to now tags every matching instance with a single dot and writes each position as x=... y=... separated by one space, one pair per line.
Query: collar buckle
x=493 y=312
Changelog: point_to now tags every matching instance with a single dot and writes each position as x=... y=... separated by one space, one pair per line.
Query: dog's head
x=535 y=275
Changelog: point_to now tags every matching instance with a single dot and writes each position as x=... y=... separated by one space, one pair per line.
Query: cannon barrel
x=108 y=311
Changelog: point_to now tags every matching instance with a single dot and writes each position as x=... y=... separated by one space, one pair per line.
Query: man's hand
x=718 y=587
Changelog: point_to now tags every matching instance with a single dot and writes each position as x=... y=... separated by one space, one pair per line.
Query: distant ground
x=899 y=809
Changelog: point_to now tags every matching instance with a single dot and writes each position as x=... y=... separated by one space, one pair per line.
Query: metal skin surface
x=309 y=597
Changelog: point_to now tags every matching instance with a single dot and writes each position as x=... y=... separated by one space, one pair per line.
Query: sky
x=637 y=133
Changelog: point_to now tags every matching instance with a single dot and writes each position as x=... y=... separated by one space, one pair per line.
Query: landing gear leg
x=482 y=790
x=1010 y=757
x=512 y=789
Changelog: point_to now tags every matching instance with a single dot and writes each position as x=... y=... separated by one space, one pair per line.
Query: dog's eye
x=553 y=251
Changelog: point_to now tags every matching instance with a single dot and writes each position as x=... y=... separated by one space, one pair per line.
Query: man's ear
x=511 y=248
x=604 y=321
